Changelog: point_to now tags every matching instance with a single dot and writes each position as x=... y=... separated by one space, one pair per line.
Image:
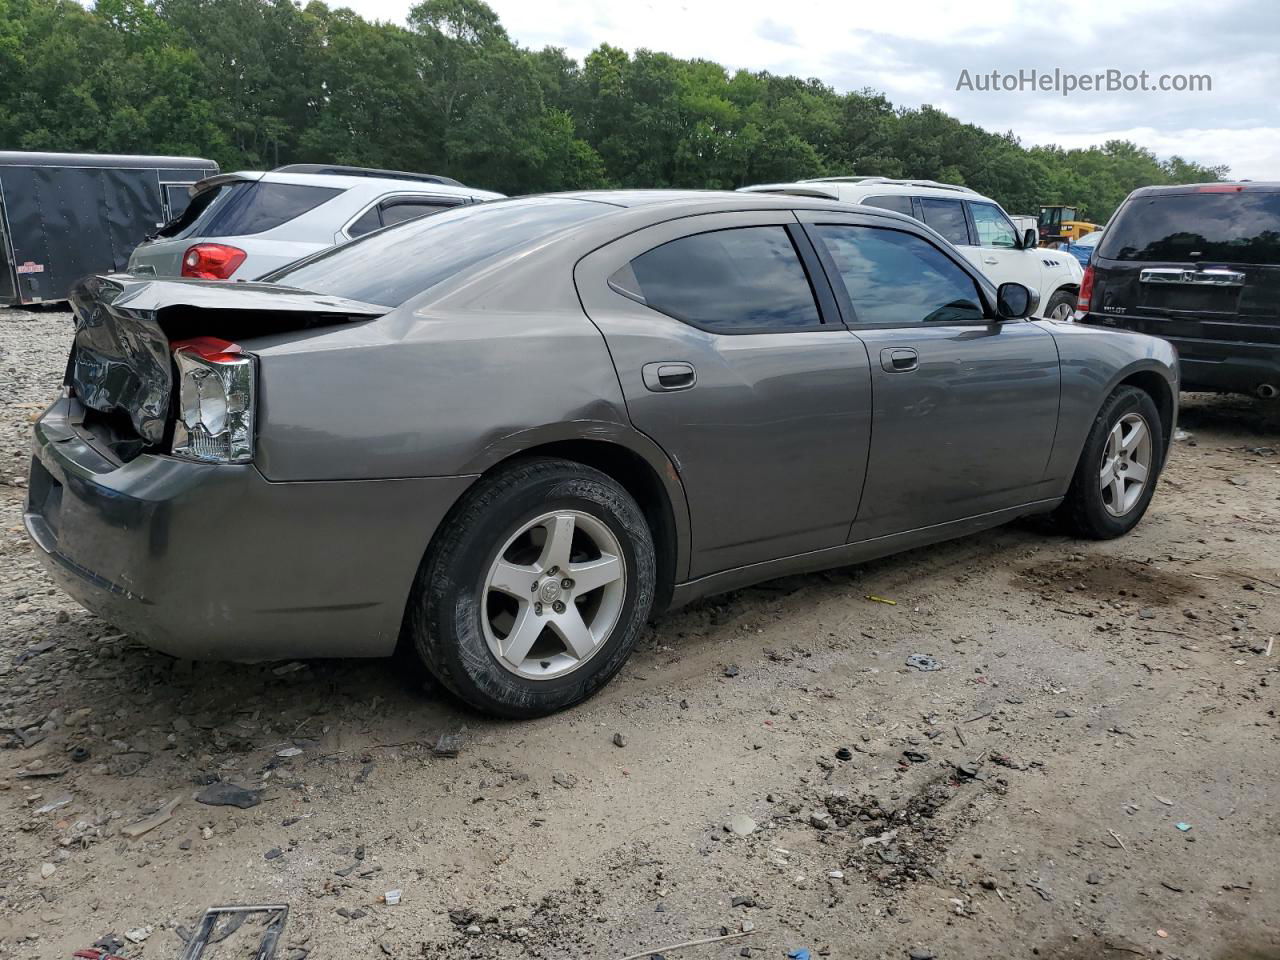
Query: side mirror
x=1014 y=301
x=1030 y=239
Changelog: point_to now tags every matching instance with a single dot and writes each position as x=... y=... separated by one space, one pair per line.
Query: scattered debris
x=54 y=804
x=740 y=825
x=732 y=670
x=1183 y=826
x=223 y=794
x=844 y=753
x=923 y=662
x=448 y=744
x=619 y=740
x=643 y=954
x=147 y=824
x=391 y=898
x=885 y=600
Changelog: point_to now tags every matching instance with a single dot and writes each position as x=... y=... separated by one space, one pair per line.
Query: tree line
x=254 y=84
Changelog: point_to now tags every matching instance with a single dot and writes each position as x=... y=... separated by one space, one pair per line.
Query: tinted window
x=947 y=217
x=401 y=211
x=391 y=266
x=192 y=210
x=748 y=278
x=1239 y=227
x=994 y=228
x=898 y=278
x=899 y=203
x=255 y=207
x=368 y=222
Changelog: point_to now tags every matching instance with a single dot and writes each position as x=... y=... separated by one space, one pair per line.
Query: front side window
x=947 y=217
x=896 y=278
x=898 y=204
x=994 y=228
x=746 y=279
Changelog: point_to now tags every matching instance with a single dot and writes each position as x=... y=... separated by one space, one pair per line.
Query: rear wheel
x=1118 y=469
x=1061 y=306
x=536 y=590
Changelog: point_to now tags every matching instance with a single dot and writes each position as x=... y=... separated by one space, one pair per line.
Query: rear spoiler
x=219 y=180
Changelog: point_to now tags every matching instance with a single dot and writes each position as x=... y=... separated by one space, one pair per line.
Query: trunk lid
x=121 y=366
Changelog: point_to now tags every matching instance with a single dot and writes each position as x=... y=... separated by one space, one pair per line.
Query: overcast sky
x=914 y=51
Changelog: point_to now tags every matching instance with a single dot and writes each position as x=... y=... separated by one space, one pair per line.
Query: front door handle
x=667 y=376
x=991 y=260
x=899 y=359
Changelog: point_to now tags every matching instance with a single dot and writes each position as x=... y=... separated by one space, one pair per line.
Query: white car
x=244 y=225
x=977 y=225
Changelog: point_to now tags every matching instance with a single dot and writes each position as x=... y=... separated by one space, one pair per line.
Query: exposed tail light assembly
x=211 y=261
x=1086 y=290
x=215 y=401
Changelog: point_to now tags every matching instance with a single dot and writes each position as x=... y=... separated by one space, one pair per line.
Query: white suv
x=244 y=225
x=978 y=227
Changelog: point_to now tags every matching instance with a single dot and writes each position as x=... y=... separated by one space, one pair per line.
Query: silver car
x=238 y=226
x=510 y=433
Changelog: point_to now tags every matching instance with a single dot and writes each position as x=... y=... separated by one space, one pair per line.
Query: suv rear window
x=391 y=266
x=254 y=206
x=1241 y=227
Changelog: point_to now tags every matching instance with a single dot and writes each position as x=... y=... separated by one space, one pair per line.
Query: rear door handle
x=899 y=359
x=667 y=376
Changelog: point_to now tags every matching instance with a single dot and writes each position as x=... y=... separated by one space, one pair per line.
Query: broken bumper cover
x=209 y=561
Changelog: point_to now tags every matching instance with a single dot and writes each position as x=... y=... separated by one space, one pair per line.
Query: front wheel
x=536 y=589
x=1118 y=468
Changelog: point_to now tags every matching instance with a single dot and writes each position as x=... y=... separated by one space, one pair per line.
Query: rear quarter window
x=255 y=207
x=1237 y=227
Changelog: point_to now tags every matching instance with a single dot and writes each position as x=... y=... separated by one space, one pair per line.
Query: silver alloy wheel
x=1126 y=464
x=1061 y=312
x=553 y=594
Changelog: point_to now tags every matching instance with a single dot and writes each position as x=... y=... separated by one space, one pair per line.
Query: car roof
x=372 y=185
x=837 y=187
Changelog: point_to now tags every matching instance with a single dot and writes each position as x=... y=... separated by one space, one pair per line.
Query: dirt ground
x=1026 y=799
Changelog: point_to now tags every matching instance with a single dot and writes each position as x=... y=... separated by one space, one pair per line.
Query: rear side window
x=191 y=210
x=947 y=217
x=899 y=204
x=742 y=280
x=388 y=268
x=401 y=211
x=254 y=207
x=395 y=211
x=1238 y=227
x=994 y=228
x=896 y=278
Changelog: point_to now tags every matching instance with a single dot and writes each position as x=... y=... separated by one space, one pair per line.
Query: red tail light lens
x=211 y=261
x=1086 y=290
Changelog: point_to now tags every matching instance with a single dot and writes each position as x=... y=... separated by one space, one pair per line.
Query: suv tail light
x=215 y=401
x=211 y=261
x=1086 y=290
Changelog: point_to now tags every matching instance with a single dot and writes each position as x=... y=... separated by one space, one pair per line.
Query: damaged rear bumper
x=213 y=561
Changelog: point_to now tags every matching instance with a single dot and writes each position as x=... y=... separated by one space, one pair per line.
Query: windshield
x=391 y=265
x=1236 y=227
x=1090 y=239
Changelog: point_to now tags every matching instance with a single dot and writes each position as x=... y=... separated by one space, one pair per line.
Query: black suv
x=1200 y=266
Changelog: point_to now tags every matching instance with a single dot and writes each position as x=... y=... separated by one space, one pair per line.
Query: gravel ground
x=1025 y=799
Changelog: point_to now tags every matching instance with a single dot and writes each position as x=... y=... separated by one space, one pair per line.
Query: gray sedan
x=508 y=434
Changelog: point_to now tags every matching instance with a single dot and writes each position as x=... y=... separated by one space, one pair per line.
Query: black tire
x=1083 y=512
x=1060 y=298
x=444 y=619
